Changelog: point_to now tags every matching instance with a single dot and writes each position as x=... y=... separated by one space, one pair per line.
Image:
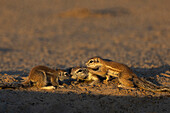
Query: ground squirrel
x=127 y=78
x=80 y=73
x=40 y=76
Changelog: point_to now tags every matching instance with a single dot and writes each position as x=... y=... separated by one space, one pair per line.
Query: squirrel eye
x=91 y=61
x=65 y=74
x=79 y=70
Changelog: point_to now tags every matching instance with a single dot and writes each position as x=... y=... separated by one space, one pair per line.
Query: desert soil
x=66 y=33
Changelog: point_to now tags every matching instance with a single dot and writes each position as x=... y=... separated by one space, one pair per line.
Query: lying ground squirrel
x=80 y=73
x=40 y=76
x=127 y=78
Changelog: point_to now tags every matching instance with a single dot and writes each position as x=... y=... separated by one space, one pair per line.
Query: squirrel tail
x=147 y=85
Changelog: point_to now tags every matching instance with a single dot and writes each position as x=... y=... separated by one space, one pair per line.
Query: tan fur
x=48 y=87
x=81 y=73
x=127 y=78
x=42 y=75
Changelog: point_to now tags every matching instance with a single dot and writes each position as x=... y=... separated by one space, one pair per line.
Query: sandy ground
x=66 y=33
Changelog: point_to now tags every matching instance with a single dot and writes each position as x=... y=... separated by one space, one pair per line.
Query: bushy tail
x=26 y=83
x=146 y=85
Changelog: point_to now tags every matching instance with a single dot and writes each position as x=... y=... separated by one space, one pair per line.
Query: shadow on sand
x=12 y=101
x=6 y=50
x=85 y=12
x=152 y=71
x=150 y=74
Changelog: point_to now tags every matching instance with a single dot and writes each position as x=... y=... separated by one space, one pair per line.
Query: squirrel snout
x=87 y=64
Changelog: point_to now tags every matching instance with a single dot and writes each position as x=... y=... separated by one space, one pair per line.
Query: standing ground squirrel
x=127 y=78
x=80 y=73
x=40 y=76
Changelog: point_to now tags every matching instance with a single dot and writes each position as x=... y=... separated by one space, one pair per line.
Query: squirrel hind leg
x=55 y=81
x=126 y=82
x=41 y=81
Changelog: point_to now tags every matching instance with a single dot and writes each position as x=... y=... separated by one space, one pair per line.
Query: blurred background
x=66 y=33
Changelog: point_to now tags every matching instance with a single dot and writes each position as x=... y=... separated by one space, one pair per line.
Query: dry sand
x=66 y=33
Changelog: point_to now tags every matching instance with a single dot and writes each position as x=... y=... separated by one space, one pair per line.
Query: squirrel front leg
x=101 y=71
x=55 y=81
